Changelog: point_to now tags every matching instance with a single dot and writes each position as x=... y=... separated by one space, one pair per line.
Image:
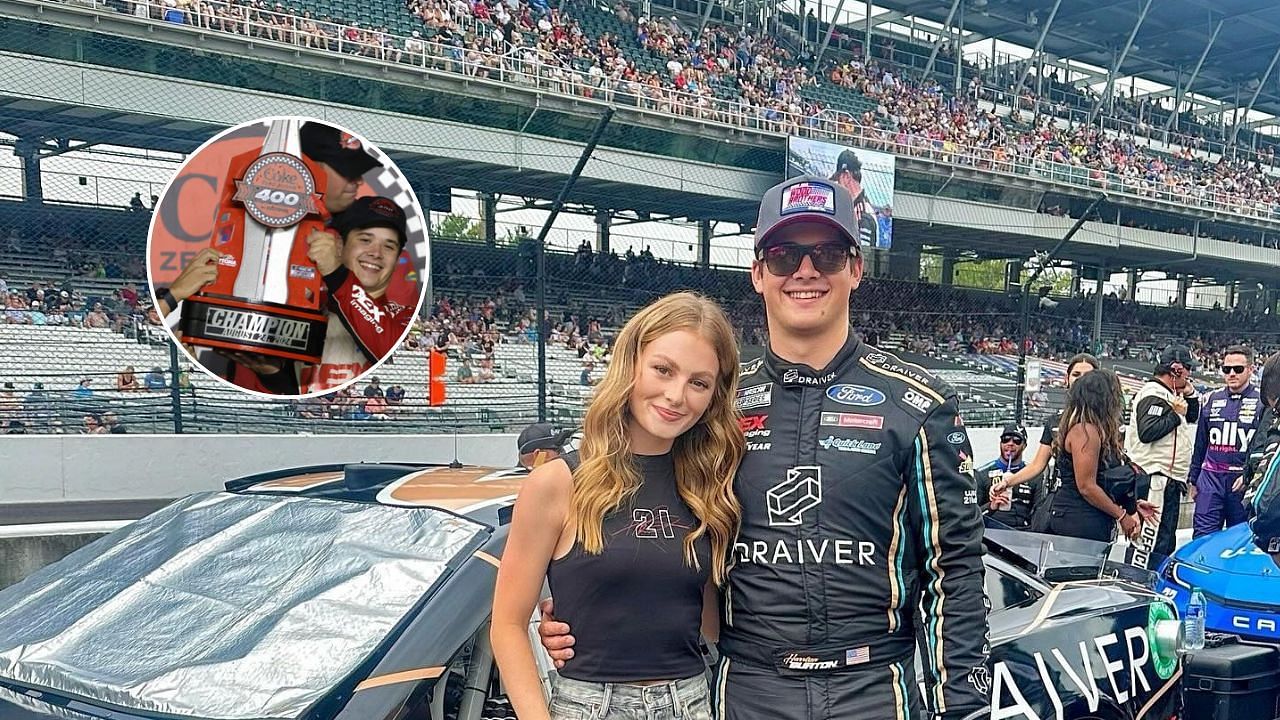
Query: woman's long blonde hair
x=706 y=455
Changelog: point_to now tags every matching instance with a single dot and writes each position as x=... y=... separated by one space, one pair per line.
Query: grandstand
x=484 y=106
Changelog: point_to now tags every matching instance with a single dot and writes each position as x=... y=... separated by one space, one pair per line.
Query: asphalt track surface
x=77 y=511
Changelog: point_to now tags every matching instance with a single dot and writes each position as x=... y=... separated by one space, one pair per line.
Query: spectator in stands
x=395 y=400
x=10 y=406
x=127 y=381
x=376 y=407
x=97 y=318
x=15 y=427
x=155 y=380
x=485 y=374
x=93 y=425
x=83 y=391
x=374 y=388
x=112 y=423
x=465 y=375
x=315 y=407
x=136 y=204
x=37 y=407
x=585 y=378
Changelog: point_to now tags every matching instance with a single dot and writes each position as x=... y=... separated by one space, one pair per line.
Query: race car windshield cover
x=226 y=606
x=1051 y=552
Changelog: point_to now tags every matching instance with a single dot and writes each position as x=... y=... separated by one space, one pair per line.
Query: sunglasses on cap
x=785 y=258
x=1233 y=369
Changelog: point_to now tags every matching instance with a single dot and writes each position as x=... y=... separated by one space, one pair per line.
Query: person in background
x=1229 y=418
x=540 y=443
x=1016 y=506
x=1089 y=444
x=1160 y=438
x=1262 y=467
x=1077 y=366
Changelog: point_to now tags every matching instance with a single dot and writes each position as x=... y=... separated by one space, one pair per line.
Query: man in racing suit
x=1227 y=423
x=860 y=532
x=1262 y=467
x=1017 y=505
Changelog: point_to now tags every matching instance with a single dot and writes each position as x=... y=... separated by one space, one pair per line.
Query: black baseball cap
x=1174 y=354
x=372 y=211
x=541 y=436
x=339 y=150
x=848 y=161
x=1013 y=431
x=806 y=199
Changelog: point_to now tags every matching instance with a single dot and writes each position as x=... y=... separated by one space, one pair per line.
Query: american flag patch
x=857 y=656
x=809 y=197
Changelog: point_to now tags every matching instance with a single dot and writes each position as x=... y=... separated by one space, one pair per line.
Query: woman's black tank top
x=1071 y=514
x=635 y=610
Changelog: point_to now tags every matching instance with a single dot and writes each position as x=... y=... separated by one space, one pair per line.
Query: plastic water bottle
x=1194 y=622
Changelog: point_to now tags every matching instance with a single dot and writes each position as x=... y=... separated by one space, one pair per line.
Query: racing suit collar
x=801 y=375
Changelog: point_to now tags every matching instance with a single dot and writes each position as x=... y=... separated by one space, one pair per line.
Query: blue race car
x=1240 y=583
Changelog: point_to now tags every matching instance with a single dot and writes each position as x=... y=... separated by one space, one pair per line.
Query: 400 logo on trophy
x=267 y=296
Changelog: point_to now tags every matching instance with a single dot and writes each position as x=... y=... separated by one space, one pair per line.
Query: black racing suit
x=1262 y=474
x=860 y=514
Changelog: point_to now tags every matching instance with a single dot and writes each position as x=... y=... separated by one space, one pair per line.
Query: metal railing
x=527 y=67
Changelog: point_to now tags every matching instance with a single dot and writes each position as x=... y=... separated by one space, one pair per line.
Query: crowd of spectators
x=728 y=73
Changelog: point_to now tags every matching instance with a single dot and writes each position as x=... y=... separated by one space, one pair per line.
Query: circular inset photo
x=288 y=256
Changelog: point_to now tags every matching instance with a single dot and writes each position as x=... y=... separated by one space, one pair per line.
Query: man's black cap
x=849 y=161
x=1175 y=354
x=541 y=436
x=372 y=211
x=340 y=151
x=1012 y=430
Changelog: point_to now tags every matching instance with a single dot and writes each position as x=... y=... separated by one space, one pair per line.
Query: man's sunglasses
x=1233 y=369
x=1011 y=439
x=785 y=258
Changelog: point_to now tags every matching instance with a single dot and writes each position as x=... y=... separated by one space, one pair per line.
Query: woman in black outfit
x=1088 y=444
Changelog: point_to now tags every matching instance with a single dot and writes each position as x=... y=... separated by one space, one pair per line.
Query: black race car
x=362 y=592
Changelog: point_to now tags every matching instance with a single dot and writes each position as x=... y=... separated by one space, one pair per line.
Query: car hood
x=226 y=606
x=1228 y=566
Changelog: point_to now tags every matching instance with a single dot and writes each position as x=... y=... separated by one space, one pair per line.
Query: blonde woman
x=633 y=532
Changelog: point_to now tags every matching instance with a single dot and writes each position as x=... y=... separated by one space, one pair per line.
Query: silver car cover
x=225 y=606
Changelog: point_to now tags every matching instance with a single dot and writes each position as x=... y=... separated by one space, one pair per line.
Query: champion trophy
x=267 y=297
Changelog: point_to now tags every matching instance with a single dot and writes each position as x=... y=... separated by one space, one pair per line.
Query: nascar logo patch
x=809 y=197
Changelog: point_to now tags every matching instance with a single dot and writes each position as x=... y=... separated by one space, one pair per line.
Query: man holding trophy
x=292 y=289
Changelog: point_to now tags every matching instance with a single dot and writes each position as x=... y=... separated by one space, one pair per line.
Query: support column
x=904 y=261
x=488 y=215
x=1186 y=89
x=32 y=186
x=603 y=221
x=1231 y=295
x=1133 y=286
x=1075 y=281
x=704 y=243
x=959 y=51
x=1184 y=284
x=866 y=34
x=1097 y=311
x=948 y=268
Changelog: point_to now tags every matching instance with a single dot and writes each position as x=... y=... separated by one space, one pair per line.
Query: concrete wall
x=48 y=468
